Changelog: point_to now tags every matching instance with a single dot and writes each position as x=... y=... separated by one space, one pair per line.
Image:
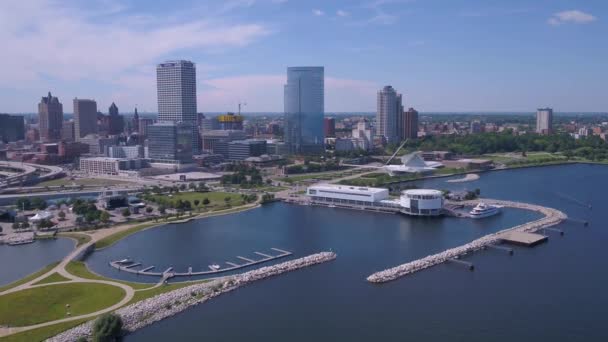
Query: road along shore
x=148 y=311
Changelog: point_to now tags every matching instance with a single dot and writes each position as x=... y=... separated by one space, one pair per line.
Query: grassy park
x=79 y=269
x=53 y=278
x=28 y=278
x=48 y=303
x=217 y=200
x=83 y=181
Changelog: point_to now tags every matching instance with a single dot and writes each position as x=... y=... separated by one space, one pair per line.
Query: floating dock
x=523 y=238
x=169 y=273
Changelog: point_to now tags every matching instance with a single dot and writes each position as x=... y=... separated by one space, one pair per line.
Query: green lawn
x=81 y=239
x=48 y=303
x=53 y=278
x=79 y=269
x=82 y=181
x=41 y=334
x=29 y=277
x=216 y=199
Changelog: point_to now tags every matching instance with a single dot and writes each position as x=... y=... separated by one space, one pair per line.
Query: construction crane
x=241 y=104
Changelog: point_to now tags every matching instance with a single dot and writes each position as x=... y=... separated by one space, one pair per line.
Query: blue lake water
x=19 y=261
x=553 y=292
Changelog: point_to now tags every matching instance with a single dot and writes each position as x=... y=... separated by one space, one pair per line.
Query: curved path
x=61 y=269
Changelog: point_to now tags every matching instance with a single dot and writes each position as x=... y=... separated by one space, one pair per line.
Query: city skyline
x=472 y=57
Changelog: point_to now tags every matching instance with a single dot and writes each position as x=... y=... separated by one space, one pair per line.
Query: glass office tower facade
x=304 y=104
x=170 y=143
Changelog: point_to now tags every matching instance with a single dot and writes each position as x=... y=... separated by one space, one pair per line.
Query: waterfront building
x=410 y=124
x=243 y=149
x=12 y=128
x=230 y=121
x=85 y=117
x=109 y=166
x=116 y=124
x=347 y=194
x=170 y=143
x=129 y=152
x=329 y=127
x=412 y=163
x=304 y=107
x=389 y=114
x=50 y=118
x=544 y=121
x=422 y=202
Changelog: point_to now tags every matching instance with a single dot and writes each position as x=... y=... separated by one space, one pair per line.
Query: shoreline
x=149 y=311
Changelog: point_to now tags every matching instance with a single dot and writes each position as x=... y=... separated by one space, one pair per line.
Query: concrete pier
x=168 y=273
x=133 y=265
x=467 y=264
x=501 y=248
x=551 y=218
x=262 y=254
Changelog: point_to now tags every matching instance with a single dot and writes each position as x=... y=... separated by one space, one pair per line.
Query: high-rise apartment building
x=544 y=121
x=85 y=117
x=389 y=114
x=50 y=118
x=304 y=106
x=409 y=124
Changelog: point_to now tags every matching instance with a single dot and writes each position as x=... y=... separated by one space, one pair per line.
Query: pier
x=523 y=232
x=467 y=264
x=130 y=266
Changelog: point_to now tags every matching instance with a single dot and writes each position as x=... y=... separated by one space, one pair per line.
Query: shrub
x=107 y=328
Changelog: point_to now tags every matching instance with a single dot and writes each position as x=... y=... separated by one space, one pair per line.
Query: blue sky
x=443 y=55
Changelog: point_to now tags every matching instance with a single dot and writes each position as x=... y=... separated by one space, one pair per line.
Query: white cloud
x=571 y=16
x=264 y=93
x=46 y=40
x=318 y=12
x=342 y=13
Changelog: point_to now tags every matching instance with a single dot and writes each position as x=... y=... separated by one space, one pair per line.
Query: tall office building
x=304 y=104
x=329 y=127
x=170 y=143
x=12 y=128
x=544 y=121
x=176 y=90
x=389 y=114
x=85 y=117
x=410 y=124
x=176 y=82
x=67 y=131
x=50 y=118
x=116 y=124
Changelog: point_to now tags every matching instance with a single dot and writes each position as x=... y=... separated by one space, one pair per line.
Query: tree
x=206 y=201
x=23 y=203
x=25 y=224
x=16 y=225
x=61 y=215
x=227 y=199
x=149 y=210
x=192 y=186
x=182 y=187
x=107 y=328
x=162 y=210
x=104 y=217
x=38 y=203
x=126 y=212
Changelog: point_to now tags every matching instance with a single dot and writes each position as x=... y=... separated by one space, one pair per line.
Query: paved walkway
x=61 y=269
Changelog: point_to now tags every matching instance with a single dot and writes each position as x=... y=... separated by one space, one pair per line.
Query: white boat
x=214 y=267
x=123 y=261
x=484 y=210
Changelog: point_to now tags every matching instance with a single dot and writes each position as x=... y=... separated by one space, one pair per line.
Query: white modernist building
x=422 y=202
x=347 y=194
x=412 y=163
x=418 y=202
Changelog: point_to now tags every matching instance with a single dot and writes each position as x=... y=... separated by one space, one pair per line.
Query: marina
x=129 y=266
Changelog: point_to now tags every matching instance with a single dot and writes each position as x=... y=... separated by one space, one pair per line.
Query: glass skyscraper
x=170 y=143
x=304 y=103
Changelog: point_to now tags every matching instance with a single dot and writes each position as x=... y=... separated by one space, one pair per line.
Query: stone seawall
x=148 y=311
x=551 y=217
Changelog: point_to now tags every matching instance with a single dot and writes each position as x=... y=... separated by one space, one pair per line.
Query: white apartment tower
x=544 y=121
x=389 y=114
x=176 y=87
